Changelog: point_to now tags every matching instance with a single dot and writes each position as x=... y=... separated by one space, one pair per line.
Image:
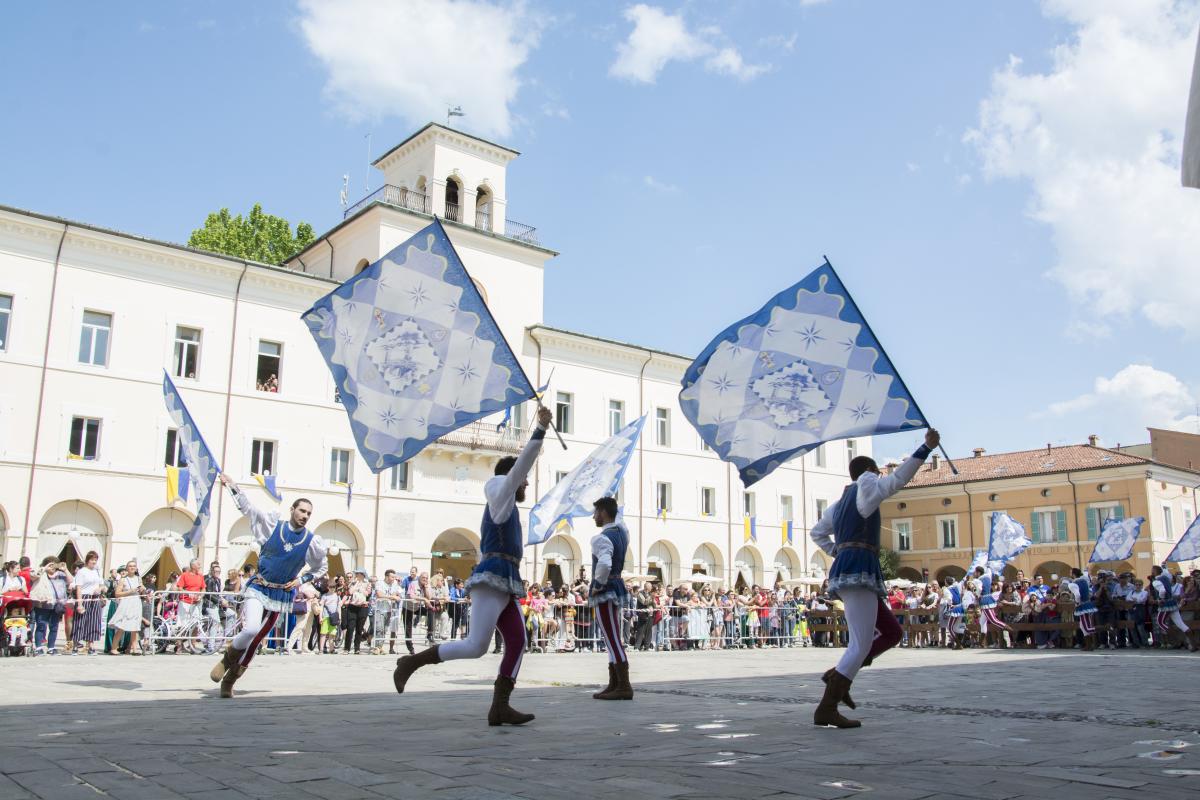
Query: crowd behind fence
x=362 y=616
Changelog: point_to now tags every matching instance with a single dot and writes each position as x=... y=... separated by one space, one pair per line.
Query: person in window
x=494 y=584
x=286 y=548
x=848 y=531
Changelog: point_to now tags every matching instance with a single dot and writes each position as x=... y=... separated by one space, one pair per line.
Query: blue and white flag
x=803 y=370
x=1007 y=538
x=598 y=476
x=414 y=351
x=1188 y=548
x=1116 y=540
x=202 y=468
x=980 y=560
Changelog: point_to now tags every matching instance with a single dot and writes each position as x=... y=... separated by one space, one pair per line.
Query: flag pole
x=500 y=333
x=883 y=353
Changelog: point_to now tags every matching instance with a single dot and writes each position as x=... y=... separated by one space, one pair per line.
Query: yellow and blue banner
x=750 y=529
x=177 y=484
x=788 y=532
x=268 y=482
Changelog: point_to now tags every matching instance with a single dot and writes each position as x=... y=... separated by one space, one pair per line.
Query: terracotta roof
x=1044 y=461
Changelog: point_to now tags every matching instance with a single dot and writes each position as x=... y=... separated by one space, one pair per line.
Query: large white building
x=90 y=317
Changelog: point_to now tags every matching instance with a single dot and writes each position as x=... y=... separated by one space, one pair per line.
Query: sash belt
x=873 y=548
x=267 y=583
x=504 y=556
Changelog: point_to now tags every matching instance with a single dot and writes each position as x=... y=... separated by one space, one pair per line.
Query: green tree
x=258 y=237
x=889 y=562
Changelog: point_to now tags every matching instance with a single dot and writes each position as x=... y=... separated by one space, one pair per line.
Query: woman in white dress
x=128 y=616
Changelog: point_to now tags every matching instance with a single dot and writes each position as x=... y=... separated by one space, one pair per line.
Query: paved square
x=937 y=724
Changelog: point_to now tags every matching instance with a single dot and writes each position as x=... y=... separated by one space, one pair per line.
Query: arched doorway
x=483 y=208
x=453 y=199
x=787 y=565
x=1117 y=567
x=160 y=548
x=455 y=553
x=662 y=561
x=818 y=564
x=909 y=574
x=748 y=567
x=242 y=548
x=950 y=573
x=562 y=560
x=69 y=530
x=707 y=559
x=1009 y=573
x=1052 y=571
x=344 y=546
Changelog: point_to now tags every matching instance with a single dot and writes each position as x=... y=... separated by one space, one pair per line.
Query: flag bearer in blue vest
x=849 y=531
x=495 y=584
x=607 y=595
x=285 y=549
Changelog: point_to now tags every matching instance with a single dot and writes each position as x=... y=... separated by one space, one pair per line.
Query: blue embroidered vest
x=283 y=554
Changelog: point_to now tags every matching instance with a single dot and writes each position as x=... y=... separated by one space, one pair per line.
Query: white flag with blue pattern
x=803 y=370
x=1116 y=540
x=980 y=560
x=1188 y=548
x=598 y=476
x=1007 y=538
x=414 y=350
x=202 y=467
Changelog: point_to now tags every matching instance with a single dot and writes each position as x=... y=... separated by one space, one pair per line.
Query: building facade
x=1062 y=495
x=90 y=317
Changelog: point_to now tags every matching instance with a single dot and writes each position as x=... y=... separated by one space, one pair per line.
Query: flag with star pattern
x=803 y=370
x=414 y=350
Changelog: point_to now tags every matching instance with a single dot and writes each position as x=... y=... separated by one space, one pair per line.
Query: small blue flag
x=414 y=350
x=268 y=482
x=803 y=370
x=1188 y=548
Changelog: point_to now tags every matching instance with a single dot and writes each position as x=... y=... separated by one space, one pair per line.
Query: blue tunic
x=501 y=550
x=1086 y=606
x=956 y=610
x=855 y=567
x=985 y=595
x=613 y=589
x=1166 y=595
x=282 y=558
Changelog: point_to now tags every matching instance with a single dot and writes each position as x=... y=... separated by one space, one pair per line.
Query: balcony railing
x=416 y=201
x=393 y=196
x=480 y=435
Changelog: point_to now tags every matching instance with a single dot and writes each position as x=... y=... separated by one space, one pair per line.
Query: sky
x=996 y=182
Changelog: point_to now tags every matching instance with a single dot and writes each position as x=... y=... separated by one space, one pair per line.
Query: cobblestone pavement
x=936 y=724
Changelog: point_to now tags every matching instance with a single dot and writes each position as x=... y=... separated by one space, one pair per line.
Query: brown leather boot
x=845 y=697
x=227 y=682
x=407 y=665
x=501 y=713
x=612 y=684
x=228 y=659
x=827 y=710
x=622 y=691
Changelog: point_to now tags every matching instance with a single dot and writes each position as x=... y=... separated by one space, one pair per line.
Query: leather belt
x=503 y=556
x=267 y=583
x=872 y=548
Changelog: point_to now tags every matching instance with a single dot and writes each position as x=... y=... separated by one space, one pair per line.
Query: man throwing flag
x=285 y=549
x=849 y=532
x=608 y=594
x=494 y=584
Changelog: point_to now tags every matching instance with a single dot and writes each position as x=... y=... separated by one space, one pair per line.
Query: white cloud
x=413 y=58
x=1137 y=397
x=1098 y=138
x=658 y=38
x=912 y=166
x=659 y=186
x=550 y=109
x=785 y=43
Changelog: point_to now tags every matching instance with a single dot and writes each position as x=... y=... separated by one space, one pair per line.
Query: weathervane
x=455 y=111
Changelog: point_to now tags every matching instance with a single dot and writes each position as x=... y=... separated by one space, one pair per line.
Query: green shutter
x=1035 y=528
x=1093 y=517
x=1060 y=526
x=1118 y=512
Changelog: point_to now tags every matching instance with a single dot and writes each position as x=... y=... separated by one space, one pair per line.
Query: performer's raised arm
x=262 y=523
x=874 y=488
x=502 y=494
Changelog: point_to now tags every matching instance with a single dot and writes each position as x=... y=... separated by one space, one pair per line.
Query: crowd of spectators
x=194 y=611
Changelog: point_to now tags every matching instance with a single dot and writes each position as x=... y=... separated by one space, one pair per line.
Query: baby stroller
x=14 y=633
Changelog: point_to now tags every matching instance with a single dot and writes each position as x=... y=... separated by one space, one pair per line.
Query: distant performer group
x=849 y=532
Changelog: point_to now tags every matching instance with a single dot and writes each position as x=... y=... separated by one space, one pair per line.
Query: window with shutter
x=1060 y=526
x=1035 y=528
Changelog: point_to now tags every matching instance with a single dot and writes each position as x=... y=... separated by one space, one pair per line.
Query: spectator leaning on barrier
x=210 y=608
x=190 y=583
